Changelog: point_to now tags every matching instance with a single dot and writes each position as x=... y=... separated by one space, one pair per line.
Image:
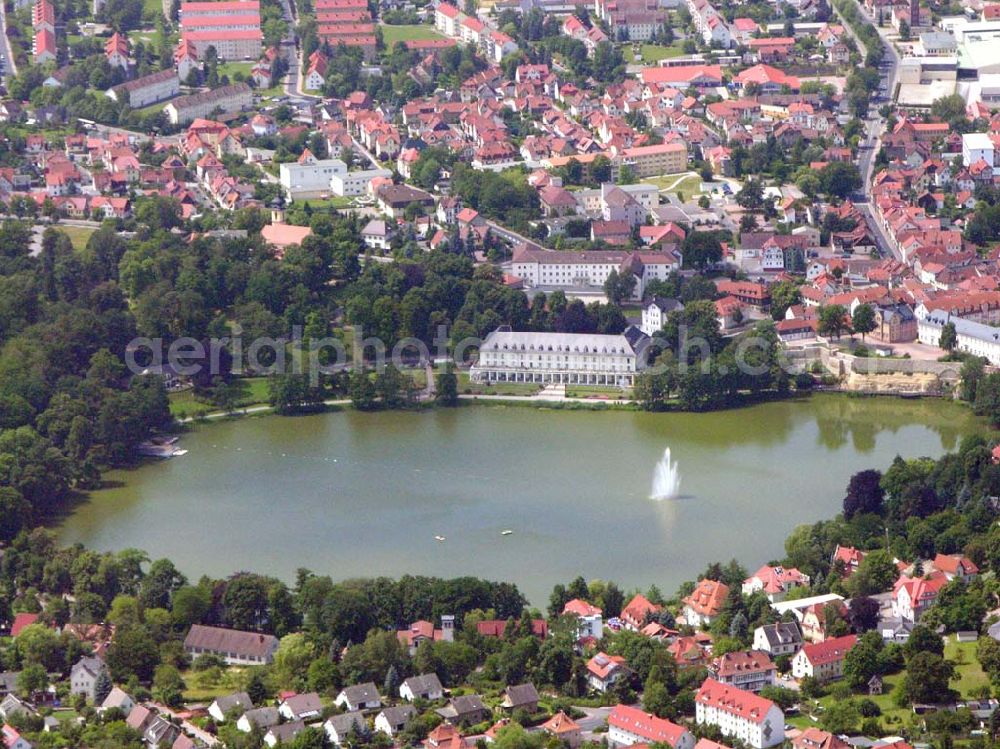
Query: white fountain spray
x=666 y=479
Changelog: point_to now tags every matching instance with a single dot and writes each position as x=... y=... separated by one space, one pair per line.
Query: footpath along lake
x=352 y=494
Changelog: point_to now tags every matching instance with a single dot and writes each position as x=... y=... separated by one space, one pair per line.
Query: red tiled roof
x=735 y=701
x=829 y=651
x=649 y=727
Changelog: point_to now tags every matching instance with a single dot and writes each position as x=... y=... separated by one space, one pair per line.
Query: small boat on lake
x=506 y=532
x=439 y=538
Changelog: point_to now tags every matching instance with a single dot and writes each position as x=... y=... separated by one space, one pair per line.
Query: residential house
x=603 y=671
x=520 y=697
x=911 y=597
x=284 y=733
x=12 y=739
x=823 y=661
x=747 y=669
x=775 y=582
x=222 y=707
x=756 y=721
x=301 y=706
x=261 y=717
x=815 y=738
x=392 y=720
x=781 y=638
x=637 y=611
x=562 y=727
x=654 y=314
x=235 y=647
x=359 y=697
x=589 y=618
x=704 y=605
x=84 y=675
x=629 y=725
x=956 y=567
x=423 y=687
x=464 y=710
x=339 y=727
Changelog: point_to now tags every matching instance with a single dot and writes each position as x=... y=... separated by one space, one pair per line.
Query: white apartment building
x=590 y=269
x=654 y=314
x=355 y=183
x=571 y=358
x=227 y=99
x=150 y=89
x=310 y=178
x=754 y=720
x=977 y=147
x=971 y=337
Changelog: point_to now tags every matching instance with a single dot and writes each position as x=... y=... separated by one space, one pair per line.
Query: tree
x=862 y=662
x=31 y=680
x=949 y=338
x=447 y=386
x=841 y=717
x=927 y=677
x=923 y=640
x=864 y=494
x=700 y=249
x=839 y=178
x=832 y=320
x=132 y=653
x=876 y=574
x=168 y=686
x=863 y=614
x=102 y=687
x=863 y=319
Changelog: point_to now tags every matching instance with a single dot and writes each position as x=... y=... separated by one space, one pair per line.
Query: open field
x=466 y=387
x=655 y=52
x=405 y=33
x=78 y=235
x=970 y=673
x=184 y=403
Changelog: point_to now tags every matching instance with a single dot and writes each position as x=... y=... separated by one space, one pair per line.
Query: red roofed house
x=911 y=597
x=21 y=621
x=634 y=614
x=12 y=739
x=590 y=618
x=756 y=721
x=850 y=558
x=705 y=603
x=769 y=80
x=116 y=51
x=563 y=728
x=823 y=660
x=747 y=669
x=814 y=738
x=603 y=671
x=956 y=566
x=497 y=627
x=775 y=582
x=629 y=725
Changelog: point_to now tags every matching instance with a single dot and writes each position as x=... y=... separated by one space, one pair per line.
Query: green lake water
x=351 y=494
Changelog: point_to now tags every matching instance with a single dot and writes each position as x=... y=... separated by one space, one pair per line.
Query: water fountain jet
x=666 y=479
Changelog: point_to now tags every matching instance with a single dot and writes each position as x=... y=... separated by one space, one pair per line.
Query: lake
x=353 y=494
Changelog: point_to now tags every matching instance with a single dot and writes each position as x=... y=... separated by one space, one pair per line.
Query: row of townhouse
x=493 y=43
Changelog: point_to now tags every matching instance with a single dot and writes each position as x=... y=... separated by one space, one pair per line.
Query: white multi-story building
x=629 y=725
x=971 y=337
x=977 y=147
x=150 y=89
x=571 y=358
x=754 y=720
x=309 y=177
x=590 y=618
x=781 y=638
x=823 y=660
x=654 y=314
x=226 y=99
x=591 y=269
x=355 y=183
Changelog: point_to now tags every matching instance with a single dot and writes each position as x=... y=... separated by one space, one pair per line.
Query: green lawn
x=970 y=673
x=677 y=183
x=334 y=201
x=656 y=52
x=184 y=403
x=406 y=33
x=596 y=392
x=465 y=387
x=228 y=68
x=78 y=235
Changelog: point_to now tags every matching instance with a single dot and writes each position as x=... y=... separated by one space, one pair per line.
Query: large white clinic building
x=568 y=358
x=754 y=720
x=971 y=337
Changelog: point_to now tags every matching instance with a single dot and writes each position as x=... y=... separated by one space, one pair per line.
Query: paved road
x=9 y=65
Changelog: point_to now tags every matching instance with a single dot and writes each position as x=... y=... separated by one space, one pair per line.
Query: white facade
x=759 y=730
x=572 y=358
x=355 y=183
x=311 y=179
x=146 y=91
x=971 y=337
x=977 y=147
x=654 y=315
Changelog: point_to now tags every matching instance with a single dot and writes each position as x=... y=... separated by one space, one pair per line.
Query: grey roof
x=994 y=631
x=116 y=698
x=782 y=633
x=342 y=723
x=221 y=640
x=521 y=694
x=302 y=704
x=664 y=304
x=376 y=227
x=462 y=705
x=8 y=680
x=424 y=684
x=94 y=666
x=285 y=731
x=13 y=705
x=359 y=693
x=153 y=79
x=504 y=340
x=397 y=716
x=207 y=97
x=236 y=700
x=264 y=717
